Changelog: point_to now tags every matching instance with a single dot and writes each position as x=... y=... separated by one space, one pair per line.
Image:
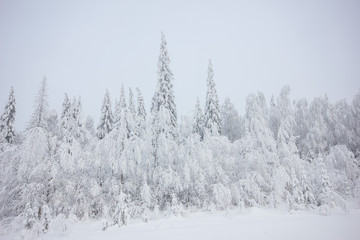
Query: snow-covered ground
x=250 y=224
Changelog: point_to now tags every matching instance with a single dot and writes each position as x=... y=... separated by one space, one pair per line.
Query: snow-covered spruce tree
x=212 y=107
x=123 y=128
x=164 y=135
x=7 y=120
x=81 y=133
x=106 y=117
x=66 y=125
x=77 y=112
x=122 y=97
x=9 y=162
x=71 y=128
x=119 y=108
x=132 y=107
x=131 y=118
x=231 y=122
x=41 y=107
x=116 y=124
x=141 y=114
x=164 y=95
x=66 y=106
x=71 y=125
x=274 y=122
x=198 y=125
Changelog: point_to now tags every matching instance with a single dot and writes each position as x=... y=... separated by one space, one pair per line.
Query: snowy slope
x=250 y=224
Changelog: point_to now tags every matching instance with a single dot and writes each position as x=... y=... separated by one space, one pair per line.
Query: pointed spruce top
x=210 y=78
x=163 y=40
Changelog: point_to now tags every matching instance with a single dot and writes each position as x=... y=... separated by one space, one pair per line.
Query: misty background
x=84 y=47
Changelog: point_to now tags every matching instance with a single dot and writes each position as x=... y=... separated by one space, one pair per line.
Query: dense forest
x=284 y=153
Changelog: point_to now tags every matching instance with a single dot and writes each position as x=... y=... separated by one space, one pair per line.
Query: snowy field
x=250 y=224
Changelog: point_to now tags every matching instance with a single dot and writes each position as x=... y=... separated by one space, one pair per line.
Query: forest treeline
x=137 y=163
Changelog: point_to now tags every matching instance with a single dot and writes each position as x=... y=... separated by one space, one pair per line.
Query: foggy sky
x=84 y=47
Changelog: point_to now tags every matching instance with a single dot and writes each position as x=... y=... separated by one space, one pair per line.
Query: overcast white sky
x=85 y=47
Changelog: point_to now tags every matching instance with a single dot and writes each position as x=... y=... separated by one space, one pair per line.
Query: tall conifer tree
x=198 y=125
x=212 y=108
x=40 y=113
x=164 y=95
x=106 y=118
x=8 y=119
